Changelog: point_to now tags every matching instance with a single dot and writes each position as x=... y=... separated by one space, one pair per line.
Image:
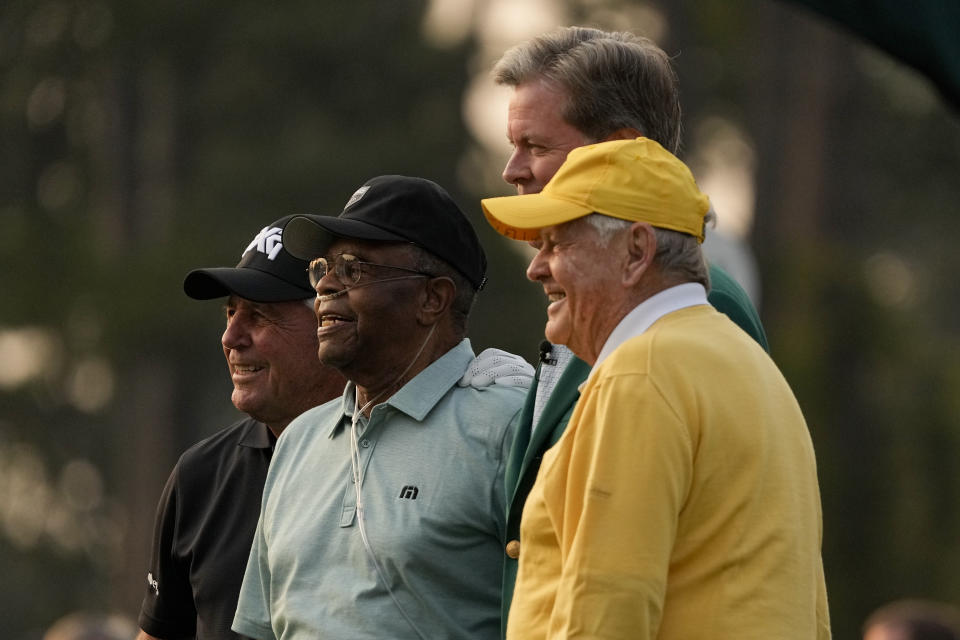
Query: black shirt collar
x=257 y=436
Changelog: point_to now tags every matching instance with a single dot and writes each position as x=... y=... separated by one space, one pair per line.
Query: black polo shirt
x=205 y=524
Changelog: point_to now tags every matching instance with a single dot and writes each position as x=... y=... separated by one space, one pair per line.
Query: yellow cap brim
x=635 y=180
x=522 y=217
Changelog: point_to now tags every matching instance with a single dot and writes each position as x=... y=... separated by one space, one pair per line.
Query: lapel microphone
x=545 y=350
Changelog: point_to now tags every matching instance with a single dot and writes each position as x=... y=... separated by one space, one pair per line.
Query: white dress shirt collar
x=649 y=311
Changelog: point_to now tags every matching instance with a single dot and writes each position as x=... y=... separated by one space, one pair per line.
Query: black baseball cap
x=266 y=272
x=396 y=209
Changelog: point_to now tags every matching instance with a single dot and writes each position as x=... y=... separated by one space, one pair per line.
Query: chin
x=332 y=359
x=555 y=335
x=244 y=405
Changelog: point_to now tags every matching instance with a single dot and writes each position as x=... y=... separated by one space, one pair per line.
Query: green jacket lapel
x=553 y=419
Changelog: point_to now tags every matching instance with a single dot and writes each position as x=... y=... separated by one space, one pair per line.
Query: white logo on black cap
x=267 y=241
x=359 y=193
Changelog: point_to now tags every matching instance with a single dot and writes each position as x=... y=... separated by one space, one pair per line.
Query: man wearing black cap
x=209 y=508
x=383 y=514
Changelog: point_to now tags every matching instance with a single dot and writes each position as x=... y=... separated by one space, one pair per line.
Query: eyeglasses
x=348 y=269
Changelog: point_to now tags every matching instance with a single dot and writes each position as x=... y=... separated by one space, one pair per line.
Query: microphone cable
x=358 y=478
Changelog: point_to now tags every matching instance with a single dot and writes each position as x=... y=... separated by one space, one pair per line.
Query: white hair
x=678 y=254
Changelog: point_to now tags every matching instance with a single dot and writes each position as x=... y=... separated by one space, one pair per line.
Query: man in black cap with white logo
x=209 y=507
x=208 y=510
x=383 y=513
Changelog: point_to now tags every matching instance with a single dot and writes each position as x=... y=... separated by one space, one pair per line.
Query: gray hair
x=466 y=294
x=678 y=254
x=606 y=227
x=613 y=80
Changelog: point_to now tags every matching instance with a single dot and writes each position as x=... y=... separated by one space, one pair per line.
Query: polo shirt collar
x=681 y=296
x=423 y=392
x=256 y=435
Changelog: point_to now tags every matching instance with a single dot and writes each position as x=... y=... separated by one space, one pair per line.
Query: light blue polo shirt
x=433 y=457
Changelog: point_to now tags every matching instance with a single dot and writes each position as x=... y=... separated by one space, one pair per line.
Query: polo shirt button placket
x=365 y=446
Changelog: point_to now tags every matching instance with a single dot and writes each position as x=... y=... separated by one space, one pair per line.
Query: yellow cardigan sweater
x=682 y=501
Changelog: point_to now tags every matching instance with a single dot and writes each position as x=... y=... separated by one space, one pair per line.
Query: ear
x=624 y=133
x=641 y=249
x=436 y=298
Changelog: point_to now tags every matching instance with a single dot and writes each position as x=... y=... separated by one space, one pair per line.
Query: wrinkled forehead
x=570 y=230
x=369 y=249
x=538 y=110
x=282 y=307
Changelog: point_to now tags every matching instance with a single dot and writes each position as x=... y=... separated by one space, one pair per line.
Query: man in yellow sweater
x=682 y=501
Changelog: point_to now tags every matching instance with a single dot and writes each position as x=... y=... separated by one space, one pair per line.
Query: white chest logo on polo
x=359 y=193
x=267 y=242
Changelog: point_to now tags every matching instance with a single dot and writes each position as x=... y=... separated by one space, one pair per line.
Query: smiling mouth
x=556 y=296
x=246 y=368
x=330 y=320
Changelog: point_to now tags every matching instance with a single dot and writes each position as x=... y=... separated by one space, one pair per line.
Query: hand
x=495 y=366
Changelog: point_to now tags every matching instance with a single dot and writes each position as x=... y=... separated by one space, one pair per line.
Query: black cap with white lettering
x=266 y=272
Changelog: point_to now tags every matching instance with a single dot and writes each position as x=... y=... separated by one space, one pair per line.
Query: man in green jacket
x=572 y=87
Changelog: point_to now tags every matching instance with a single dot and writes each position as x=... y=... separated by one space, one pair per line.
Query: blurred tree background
x=142 y=139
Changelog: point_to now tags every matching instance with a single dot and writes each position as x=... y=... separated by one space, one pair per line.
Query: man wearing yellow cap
x=570 y=87
x=682 y=500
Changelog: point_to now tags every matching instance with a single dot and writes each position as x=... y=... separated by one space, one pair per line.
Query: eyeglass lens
x=345 y=267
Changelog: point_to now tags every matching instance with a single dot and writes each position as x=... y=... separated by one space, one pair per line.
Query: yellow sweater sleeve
x=616 y=487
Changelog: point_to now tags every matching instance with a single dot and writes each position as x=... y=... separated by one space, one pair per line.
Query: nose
x=517 y=171
x=538 y=269
x=237 y=334
x=328 y=284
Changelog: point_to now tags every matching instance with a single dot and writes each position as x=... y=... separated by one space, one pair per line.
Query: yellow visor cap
x=636 y=180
